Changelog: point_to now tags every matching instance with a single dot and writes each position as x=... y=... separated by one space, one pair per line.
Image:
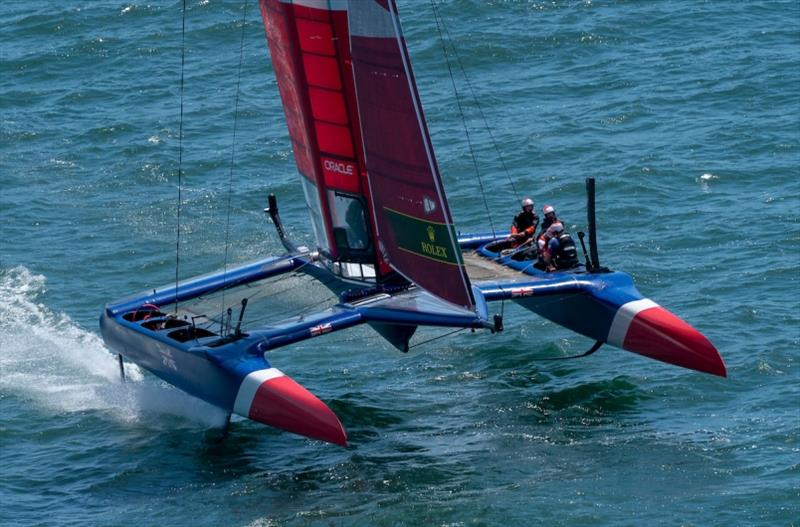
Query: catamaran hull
x=640 y=326
x=190 y=372
x=247 y=385
x=608 y=308
x=233 y=374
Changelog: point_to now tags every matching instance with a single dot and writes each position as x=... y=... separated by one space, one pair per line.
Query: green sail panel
x=424 y=238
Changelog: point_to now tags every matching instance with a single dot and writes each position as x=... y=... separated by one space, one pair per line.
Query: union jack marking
x=522 y=291
x=321 y=329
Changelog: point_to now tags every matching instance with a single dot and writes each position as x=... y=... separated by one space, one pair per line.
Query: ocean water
x=688 y=114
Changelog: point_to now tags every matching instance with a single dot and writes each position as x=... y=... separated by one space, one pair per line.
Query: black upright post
x=592 y=226
x=272 y=210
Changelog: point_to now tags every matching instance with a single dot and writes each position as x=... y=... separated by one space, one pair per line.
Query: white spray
x=48 y=359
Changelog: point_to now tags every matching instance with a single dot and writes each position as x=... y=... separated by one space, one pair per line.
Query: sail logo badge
x=422 y=238
x=431 y=249
x=335 y=167
x=437 y=251
x=429 y=205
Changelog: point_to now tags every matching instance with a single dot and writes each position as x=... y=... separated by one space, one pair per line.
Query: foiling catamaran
x=385 y=240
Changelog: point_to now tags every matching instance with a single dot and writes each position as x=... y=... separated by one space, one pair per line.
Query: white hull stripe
x=622 y=320
x=249 y=387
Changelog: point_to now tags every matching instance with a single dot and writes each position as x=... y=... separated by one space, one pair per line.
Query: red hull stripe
x=284 y=404
x=648 y=329
x=660 y=335
x=623 y=318
x=271 y=397
x=249 y=387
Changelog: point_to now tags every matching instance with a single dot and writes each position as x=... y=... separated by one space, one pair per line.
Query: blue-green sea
x=687 y=112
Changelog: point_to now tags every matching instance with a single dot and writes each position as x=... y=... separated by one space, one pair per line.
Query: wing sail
x=361 y=144
x=411 y=212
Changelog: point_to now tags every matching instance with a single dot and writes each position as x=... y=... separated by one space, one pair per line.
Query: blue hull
x=607 y=307
x=174 y=362
x=582 y=302
x=230 y=371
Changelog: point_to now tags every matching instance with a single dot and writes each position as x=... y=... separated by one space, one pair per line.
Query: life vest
x=546 y=222
x=525 y=222
x=566 y=255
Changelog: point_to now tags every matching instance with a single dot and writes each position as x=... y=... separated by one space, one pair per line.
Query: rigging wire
x=477 y=102
x=180 y=157
x=463 y=118
x=233 y=153
x=437 y=337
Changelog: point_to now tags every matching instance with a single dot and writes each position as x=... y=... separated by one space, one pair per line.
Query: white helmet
x=555 y=228
x=548 y=209
x=527 y=202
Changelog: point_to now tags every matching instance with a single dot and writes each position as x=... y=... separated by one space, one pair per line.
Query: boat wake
x=49 y=360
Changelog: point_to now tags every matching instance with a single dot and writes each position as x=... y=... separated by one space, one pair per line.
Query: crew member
x=542 y=248
x=560 y=252
x=549 y=218
x=524 y=225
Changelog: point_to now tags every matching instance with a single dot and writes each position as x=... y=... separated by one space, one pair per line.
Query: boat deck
x=275 y=298
x=482 y=269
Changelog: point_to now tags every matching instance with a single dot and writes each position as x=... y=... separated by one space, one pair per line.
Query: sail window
x=315 y=211
x=349 y=223
x=356 y=271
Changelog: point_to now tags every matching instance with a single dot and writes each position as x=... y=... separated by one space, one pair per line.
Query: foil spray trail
x=49 y=360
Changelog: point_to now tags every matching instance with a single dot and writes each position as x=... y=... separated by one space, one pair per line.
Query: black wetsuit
x=525 y=220
x=566 y=255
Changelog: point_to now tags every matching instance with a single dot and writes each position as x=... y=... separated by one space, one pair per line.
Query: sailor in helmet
x=549 y=217
x=524 y=225
x=559 y=251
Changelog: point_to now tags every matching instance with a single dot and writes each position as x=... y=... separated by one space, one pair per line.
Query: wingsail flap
x=411 y=211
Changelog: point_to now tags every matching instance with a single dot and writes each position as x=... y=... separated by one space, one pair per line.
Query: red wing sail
x=411 y=212
x=309 y=44
x=360 y=141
